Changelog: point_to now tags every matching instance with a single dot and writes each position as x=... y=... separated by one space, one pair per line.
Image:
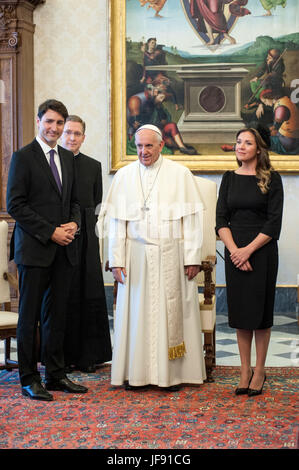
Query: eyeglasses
x=76 y=133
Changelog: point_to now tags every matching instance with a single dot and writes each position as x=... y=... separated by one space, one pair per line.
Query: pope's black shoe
x=36 y=391
x=65 y=385
x=134 y=387
x=172 y=388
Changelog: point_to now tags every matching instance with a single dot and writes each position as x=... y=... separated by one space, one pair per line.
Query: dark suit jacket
x=34 y=201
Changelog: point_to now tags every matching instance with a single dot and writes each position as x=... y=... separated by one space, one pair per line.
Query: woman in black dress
x=248 y=221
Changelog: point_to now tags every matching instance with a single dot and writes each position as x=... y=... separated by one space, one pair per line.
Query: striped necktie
x=54 y=170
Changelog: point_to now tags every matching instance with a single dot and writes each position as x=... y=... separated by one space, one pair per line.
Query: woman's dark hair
x=263 y=166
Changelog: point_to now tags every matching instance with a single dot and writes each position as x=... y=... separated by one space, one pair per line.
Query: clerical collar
x=45 y=147
x=154 y=166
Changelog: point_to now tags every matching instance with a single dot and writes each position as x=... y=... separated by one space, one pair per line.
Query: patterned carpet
x=209 y=416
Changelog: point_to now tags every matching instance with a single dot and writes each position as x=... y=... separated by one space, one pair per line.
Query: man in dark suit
x=42 y=198
x=87 y=336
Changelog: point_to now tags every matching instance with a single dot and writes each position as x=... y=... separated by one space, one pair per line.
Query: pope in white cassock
x=154 y=216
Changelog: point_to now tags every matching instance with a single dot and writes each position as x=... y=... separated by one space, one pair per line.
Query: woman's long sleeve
x=222 y=209
x=272 y=225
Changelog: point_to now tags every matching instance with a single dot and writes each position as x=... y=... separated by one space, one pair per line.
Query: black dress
x=87 y=337
x=244 y=209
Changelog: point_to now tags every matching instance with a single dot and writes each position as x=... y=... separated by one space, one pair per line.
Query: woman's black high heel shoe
x=253 y=393
x=244 y=391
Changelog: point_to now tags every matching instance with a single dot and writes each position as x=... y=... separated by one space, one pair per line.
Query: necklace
x=145 y=207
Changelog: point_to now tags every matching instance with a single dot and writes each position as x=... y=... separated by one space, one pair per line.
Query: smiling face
x=246 y=148
x=50 y=127
x=148 y=146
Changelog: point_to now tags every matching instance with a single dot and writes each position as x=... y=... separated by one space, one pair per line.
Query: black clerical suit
x=38 y=207
x=87 y=339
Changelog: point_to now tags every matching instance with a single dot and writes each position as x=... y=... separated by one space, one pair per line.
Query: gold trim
x=288 y=164
x=176 y=351
x=206 y=307
x=290 y=285
x=278 y=285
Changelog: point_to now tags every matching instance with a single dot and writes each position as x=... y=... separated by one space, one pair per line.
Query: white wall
x=71 y=65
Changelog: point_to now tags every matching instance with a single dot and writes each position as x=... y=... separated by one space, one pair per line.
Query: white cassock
x=157 y=336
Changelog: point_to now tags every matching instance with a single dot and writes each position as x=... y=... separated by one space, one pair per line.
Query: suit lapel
x=43 y=163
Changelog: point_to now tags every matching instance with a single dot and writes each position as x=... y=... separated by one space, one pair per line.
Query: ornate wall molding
x=9 y=41
x=8 y=16
x=15 y=16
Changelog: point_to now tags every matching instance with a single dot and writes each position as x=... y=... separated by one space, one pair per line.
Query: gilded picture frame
x=210 y=158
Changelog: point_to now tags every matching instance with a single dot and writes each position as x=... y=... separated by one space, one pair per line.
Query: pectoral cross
x=144 y=207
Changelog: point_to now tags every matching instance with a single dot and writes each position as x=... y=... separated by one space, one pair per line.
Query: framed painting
x=201 y=70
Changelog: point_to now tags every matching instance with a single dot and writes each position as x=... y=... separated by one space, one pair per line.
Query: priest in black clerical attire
x=87 y=340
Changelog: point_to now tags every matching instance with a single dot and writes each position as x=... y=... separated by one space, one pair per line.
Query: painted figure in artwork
x=269 y=4
x=153 y=54
x=157 y=5
x=269 y=75
x=281 y=116
x=210 y=17
x=285 y=128
x=147 y=108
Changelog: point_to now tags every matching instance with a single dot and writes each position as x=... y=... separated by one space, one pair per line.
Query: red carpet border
x=208 y=416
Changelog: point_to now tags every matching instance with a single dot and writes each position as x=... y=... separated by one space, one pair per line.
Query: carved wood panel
x=8 y=121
